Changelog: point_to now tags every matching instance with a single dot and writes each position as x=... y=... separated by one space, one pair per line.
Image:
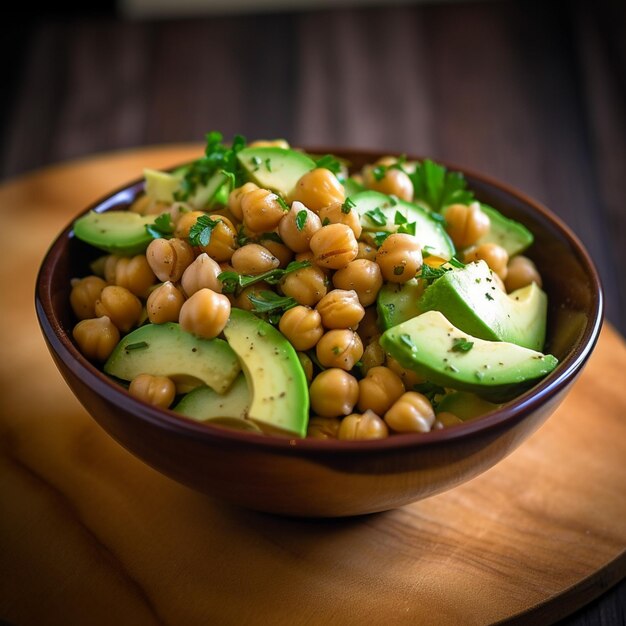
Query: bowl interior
x=570 y=279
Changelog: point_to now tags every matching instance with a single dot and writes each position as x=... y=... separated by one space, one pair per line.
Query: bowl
x=319 y=478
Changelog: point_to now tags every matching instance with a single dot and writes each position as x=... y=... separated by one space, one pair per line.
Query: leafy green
x=200 y=233
x=461 y=344
x=437 y=187
x=217 y=157
x=347 y=206
x=329 y=162
x=233 y=282
x=301 y=218
x=162 y=227
x=376 y=216
x=270 y=303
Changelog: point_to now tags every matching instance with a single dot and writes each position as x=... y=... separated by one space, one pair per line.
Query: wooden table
x=90 y=535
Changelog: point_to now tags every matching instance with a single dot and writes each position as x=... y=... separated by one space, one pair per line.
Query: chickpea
x=362 y=427
x=307 y=365
x=411 y=413
x=85 y=292
x=333 y=392
x=368 y=328
x=156 y=390
x=408 y=377
x=318 y=188
x=96 y=337
x=279 y=250
x=334 y=246
x=334 y=214
x=203 y=272
x=121 y=306
x=495 y=256
x=205 y=314
x=185 y=222
x=302 y=327
x=164 y=304
x=362 y=276
x=366 y=251
x=393 y=182
x=379 y=389
x=373 y=356
x=242 y=301
x=234 y=199
x=253 y=259
x=323 y=428
x=339 y=348
x=521 y=272
x=97 y=265
x=307 y=285
x=445 y=419
x=141 y=204
x=134 y=273
x=261 y=210
x=295 y=230
x=223 y=241
x=340 y=309
x=169 y=258
x=399 y=258
x=466 y=224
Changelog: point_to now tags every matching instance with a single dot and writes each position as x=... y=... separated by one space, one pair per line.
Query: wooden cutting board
x=90 y=535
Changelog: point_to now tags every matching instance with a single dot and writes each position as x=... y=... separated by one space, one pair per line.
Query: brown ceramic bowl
x=309 y=477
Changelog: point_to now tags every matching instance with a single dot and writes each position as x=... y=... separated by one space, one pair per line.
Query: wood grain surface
x=90 y=535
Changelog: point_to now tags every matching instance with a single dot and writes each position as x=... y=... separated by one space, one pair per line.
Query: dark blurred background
x=532 y=93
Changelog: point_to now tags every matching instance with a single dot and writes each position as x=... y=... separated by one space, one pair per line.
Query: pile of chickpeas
x=356 y=390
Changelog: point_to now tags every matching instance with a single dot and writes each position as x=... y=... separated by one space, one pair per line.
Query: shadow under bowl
x=315 y=478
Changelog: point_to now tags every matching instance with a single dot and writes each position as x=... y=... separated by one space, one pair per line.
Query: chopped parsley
x=270 y=302
x=408 y=229
x=398 y=218
x=161 y=227
x=376 y=216
x=347 y=206
x=430 y=274
x=301 y=218
x=268 y=164
x=329 y=162
x=437 y=187
x=325 y=222
x=233 y=282
x=488 y=296
x=200 y=233
x=461 y=344
x=380 y=236
x=283 y=204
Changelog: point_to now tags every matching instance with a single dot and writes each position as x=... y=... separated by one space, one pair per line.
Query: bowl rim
x=61 y=345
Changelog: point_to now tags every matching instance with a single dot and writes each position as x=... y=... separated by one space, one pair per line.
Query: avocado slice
x=494 y=370
x=204 y=404
x=278 y=169
x=379 y=212
x=161 y=186
x=511 y=235
x=466 y=406
x=471 y=300
x=276 y=380
x=168 y=350
x=116 y=232
x=397 y=303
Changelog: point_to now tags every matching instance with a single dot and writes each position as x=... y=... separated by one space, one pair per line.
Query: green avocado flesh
x=204 y=404
x=276 y=380
x=117 y=232
x=511 y=235
x=429 y=232
x=470 y=298
x=278 y=169
x=161 y=186
x=494 y=370
x=168 y=350
x=466 y=406
x=397 y=302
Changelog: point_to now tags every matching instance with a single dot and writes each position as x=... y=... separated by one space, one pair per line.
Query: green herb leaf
x=399 y=218
x=329 y=162
x=379 y=236
x=438 y=188
x=430 y=274
x=200 y=232
x=268 y=302
x=268 y=164
x=232 y=282
x=301 y=218
x=379 y=172
x=488 y=296
x=408 y=229
x=347 y=206
x=376 y=216
x=326 y=221
x=430 y=390
x=162 y=227
x=461 y=344
x=283 y=204
x=456 y=263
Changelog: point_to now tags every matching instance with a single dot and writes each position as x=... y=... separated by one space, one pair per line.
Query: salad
x=263 y=288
